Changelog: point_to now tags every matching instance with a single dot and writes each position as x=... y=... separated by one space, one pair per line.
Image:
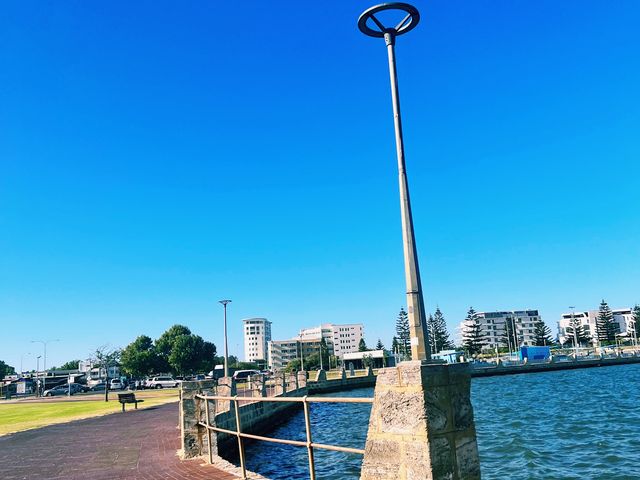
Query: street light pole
x=226 y=347
x=44 y=368
x=21 y=359
x=575 y=333
x=37 y=371
x=420 y=349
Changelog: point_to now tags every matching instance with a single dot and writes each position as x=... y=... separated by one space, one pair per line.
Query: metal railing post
x=239 y=432
x=206 y=412
x=307 y=423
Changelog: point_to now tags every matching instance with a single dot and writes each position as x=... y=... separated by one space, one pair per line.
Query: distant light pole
x=37 y=371
x=226 y=347
x=420 y=349
x=44 y=368
x=21 y=359
x=575 y=333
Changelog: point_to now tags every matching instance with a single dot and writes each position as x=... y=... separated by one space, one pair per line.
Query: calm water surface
x=572 y=424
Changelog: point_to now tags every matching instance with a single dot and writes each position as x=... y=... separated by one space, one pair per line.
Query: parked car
x=244 y=374
x=98 y=387
x=162 y=382
x=62 y=390
x=116 y=384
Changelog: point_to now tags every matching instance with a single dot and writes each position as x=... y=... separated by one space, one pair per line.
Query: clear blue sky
x=158 y=156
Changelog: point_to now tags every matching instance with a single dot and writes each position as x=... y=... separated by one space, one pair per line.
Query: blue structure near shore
x=535 y=353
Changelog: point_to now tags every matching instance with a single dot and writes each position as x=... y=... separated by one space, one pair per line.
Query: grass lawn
x=24 y=415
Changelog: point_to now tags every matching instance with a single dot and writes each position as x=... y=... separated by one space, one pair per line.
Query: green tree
x=140 y=358
x=189 y=354
x=510 y=337
x=542 y=334
x=70 y=365
x=324 y=351
x=367 y=361
x=362 y=346
x=6 y=369
x=294 y=365
x=104 y=358
x=164 y=345
x=208 y=359
x=403 y=332
x=583 y=338
x=439 y=333
x=472 y=337
x=605 y=326
x=636 y=320
x=379 y=345
x=395 y=345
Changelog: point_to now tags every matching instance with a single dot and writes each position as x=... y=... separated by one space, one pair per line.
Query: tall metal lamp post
x=44 y=368
x=38 y=370
x=575 y=333
x=370 y=25
x=226 y=348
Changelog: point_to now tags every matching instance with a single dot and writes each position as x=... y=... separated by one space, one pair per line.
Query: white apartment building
x=492 y=327
x=346 y=338
x=281 y=352
x=257 y=335
x=622 y=318
x=340 y=339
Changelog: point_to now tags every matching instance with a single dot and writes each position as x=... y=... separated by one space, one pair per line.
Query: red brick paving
x=135 y=445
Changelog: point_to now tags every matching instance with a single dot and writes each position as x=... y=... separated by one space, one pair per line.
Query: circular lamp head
x=409 y=22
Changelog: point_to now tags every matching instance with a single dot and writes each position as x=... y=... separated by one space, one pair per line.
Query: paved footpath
x=135 y=445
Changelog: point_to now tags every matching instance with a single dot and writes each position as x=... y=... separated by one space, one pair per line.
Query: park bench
x=128 y=398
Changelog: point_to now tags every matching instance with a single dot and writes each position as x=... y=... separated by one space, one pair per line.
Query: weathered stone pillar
x=192 y=411
x=280 y=384
x=258 y=385
x=302 y=379
x=226 y=388
x=292 y=381
x=421 y=425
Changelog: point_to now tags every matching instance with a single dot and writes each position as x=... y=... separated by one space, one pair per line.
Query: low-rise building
x=622 y=319
x=493 y=327
x=281 y=353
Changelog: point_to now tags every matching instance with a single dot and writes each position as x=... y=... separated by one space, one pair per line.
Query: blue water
x=572 y=424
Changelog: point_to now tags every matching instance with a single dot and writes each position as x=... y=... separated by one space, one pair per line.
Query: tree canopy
x=6 y=369
x=177 y=351
x=70 y=365
x=403 y=333
x=140 y=358
x=472 y=337
x=542 y=334
x=438 y=333
x=580 y=335
x=605 y=326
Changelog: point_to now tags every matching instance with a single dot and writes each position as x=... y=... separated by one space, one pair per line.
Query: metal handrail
x=309 y=444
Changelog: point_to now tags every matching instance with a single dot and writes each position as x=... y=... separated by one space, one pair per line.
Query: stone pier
x=194 y=437
x=421 y=425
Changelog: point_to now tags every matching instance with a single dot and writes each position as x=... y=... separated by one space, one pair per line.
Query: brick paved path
x=137 y=444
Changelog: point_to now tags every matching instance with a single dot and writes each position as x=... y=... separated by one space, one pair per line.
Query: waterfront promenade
x=137 y=445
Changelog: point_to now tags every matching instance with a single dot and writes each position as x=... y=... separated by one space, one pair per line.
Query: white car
x=162 y=382
x=116 y=384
